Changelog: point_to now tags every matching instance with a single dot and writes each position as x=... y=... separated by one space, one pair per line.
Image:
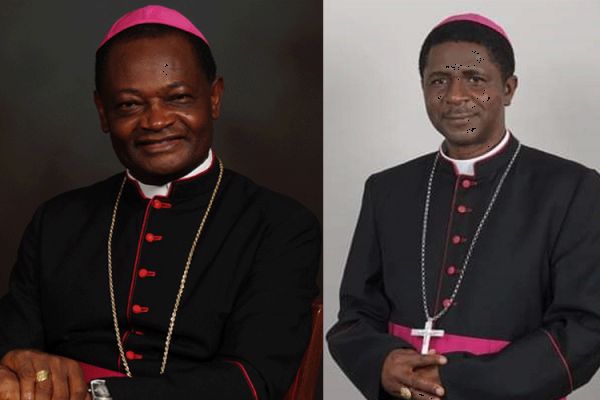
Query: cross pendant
x=427 y=333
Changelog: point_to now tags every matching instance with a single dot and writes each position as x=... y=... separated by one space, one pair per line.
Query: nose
x=457 y=92
x=156 y=117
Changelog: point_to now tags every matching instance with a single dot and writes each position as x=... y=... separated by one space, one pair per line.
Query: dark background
x=268 y=51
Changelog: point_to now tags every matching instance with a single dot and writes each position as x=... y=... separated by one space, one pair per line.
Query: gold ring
x=42 y=375
x=405 y=392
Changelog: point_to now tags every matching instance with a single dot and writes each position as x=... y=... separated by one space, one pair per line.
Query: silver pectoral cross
x=427 y=334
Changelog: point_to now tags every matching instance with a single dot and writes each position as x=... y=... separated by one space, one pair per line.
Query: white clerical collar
x=467 y=167
x=150 y=191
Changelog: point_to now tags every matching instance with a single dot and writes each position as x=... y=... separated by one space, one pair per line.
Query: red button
x=456 y=239
x=462 y=209
x=451 y=270
x=160 y=204
x=133 y=356
x=137 y=309
x=143 y=273
x=150 y=237
x=447 y=303
x=466 y=183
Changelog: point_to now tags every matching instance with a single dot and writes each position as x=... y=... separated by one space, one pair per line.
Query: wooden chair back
x=308 y=373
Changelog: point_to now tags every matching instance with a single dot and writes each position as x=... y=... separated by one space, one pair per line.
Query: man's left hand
x=64 y=379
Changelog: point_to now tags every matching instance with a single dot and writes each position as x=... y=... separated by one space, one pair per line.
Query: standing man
x=180 y=274
x=487 y=251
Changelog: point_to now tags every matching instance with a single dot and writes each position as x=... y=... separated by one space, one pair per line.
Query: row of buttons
x=146 y=273
x=457 y=239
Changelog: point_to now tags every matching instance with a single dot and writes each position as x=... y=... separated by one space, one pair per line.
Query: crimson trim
x=123 y=339
x=246 y=376
x=91 y=372
x=500 y=151
x=137 y=186
x=137 y=258
x=188 y=178
x=562 y=358
x=450 y=219
x=199 y=174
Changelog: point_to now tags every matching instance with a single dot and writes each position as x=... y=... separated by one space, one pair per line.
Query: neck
x=467 y=151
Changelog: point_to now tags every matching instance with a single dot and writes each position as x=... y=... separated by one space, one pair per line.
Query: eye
x=476 y=79
x=181 y=98
x=437 y=82
x=127 y=106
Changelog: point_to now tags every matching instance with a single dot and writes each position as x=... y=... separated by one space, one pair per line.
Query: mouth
x=159 y=144
x=459 y=119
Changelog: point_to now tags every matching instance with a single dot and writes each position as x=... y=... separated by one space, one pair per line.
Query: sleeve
x=564 y=353
x=359 y=341
x=20 y=317
x=267 y=334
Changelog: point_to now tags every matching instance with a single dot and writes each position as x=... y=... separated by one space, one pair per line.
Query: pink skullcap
x=152 y=15
x=480 y=19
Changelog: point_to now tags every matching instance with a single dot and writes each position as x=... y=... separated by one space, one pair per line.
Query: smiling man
x=474 y=272
x=177 y=278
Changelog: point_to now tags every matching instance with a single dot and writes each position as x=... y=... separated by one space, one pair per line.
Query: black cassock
x=244 y=319
x=526 y=321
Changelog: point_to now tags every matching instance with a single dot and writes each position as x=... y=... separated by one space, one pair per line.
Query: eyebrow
x=176 y=84
x=463 y=70
x=171 y=85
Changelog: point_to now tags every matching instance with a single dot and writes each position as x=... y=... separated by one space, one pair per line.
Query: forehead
x=147 y=59
x=453 y=56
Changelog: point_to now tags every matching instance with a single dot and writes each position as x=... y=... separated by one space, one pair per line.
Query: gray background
x=269 y=52
x=375 y=117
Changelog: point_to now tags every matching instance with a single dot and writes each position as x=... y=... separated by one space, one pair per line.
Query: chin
x=460 y=136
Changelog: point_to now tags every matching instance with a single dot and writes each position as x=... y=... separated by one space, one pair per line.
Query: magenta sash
x=450 y=343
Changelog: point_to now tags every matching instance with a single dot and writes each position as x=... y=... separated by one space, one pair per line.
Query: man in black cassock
x=181 y=274
x=487 y=251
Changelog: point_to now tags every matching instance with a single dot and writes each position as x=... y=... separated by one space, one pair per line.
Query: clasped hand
x=405 y=368
x=20 y=368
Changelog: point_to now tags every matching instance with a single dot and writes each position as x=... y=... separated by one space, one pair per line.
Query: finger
x=58 y=375
x=43 y=390
x=26 y=374
x=413 y=381
x=419 y=395
x=9 y=385
x=76 y=382
x=419 y=361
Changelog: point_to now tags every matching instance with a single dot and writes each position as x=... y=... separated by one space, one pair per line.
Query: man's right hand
x=400 y=369
x=65 y=381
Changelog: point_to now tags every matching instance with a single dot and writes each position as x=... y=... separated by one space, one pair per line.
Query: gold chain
x=163 y=366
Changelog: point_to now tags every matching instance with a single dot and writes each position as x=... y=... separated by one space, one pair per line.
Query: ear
x=216 y=92
x=101 y=112
x=510 y=87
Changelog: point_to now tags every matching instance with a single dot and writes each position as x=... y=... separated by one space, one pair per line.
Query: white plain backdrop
x=374 y=116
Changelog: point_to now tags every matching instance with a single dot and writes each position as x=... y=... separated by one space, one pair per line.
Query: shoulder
x=275 y=208
x=83 y=199
x=546 y=167
x=400 y=177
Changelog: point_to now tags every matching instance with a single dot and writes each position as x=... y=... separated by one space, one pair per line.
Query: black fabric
x=534 y=277
x=247 y=298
